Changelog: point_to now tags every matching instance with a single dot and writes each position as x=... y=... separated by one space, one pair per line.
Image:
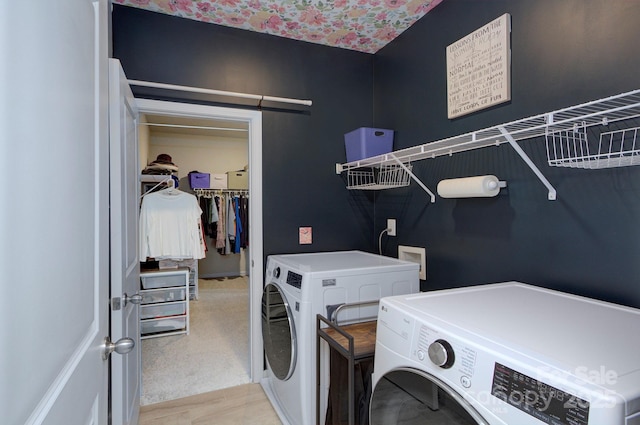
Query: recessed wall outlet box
x=391 y=226
x=415 y=255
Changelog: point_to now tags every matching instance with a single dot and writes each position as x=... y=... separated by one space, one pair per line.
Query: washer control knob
x=421 y=355
x=276 y=272
x=441 y=354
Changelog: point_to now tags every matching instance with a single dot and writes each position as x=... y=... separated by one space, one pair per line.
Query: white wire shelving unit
x=565 y=135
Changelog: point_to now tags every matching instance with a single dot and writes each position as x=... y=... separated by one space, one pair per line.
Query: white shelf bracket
x=525 y=158
x=413 y=176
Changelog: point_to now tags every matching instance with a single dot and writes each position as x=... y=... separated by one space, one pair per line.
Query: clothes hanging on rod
x=209 y=215
x=170 y=226
x=220 y=229
x=244 y=220
x=239 y=208
x=225 y=218
x=231 y=226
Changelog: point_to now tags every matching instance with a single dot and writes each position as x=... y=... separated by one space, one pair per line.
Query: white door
x=54 y=212
x=125 y=264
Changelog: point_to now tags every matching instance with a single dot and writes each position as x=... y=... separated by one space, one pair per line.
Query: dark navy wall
x=300 y=145
x=563 y=53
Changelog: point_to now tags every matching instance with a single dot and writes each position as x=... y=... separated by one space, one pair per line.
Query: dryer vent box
x=415 y=255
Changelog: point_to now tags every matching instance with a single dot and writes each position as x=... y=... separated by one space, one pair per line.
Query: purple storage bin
x=366 y=142
x=199 y=180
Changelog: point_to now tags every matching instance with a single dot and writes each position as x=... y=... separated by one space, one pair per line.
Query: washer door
x=408 y=397
x=278 y=332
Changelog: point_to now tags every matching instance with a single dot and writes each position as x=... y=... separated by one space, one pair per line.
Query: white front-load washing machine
x=506 y=353
x=297 y=288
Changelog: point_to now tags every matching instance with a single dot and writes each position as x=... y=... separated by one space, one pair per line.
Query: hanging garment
x=209 y=215
x=170 y=226
x=205 y=206
x=231 y=226
x=213 y=218
x=238 y=240
x=244 y=217
x=203 y=237
x=221 y=233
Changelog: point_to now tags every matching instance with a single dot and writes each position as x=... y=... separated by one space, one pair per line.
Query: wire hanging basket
x=572 y=148
x=377 y=178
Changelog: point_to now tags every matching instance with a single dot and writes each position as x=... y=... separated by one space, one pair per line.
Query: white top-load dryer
x=297 y=288
x=505 y=354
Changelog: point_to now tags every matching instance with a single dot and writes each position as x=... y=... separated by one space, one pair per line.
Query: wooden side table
x=355 y=342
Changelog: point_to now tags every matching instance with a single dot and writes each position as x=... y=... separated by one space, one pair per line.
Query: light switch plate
x=305 y=235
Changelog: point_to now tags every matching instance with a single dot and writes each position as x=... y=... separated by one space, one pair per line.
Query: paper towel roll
x=469 y=187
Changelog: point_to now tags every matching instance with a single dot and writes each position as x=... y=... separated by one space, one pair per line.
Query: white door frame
x=256 y=278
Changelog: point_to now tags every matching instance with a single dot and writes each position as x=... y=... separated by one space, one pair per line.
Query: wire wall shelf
x=573 y=149
x=378 y=178
x=563 y=129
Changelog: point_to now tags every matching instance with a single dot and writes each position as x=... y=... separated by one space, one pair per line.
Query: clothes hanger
x=171 y=187
x=167 y=180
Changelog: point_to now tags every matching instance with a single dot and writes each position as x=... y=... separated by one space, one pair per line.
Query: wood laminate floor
x=242 y=405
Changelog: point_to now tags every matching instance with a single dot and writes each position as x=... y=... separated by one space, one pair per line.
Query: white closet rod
x=219 y=92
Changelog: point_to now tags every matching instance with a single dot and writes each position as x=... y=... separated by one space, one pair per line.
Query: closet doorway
x=238 y=133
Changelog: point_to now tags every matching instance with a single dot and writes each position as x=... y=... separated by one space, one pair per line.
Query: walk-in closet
x=215 y=352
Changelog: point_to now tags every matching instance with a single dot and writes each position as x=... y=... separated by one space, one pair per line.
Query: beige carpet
x=213 y=356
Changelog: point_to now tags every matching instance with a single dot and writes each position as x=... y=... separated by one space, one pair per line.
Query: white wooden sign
x=479 y=69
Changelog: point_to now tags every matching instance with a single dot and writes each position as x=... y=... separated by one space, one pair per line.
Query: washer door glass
x=278 y=332
x=411 y=397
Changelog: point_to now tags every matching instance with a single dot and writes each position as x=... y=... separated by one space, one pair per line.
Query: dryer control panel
x=446 y=353
x=540 y=400
x=294 y=279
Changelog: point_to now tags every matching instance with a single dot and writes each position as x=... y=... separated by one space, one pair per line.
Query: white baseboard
x=222 y=274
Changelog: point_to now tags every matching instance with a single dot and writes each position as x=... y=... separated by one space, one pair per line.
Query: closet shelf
x=154 y=178
x=604 y=111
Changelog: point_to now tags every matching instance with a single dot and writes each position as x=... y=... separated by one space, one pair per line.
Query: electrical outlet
x=391 y=226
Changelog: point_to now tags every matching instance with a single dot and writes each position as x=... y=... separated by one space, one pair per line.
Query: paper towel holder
x=501 y=184
x=471 y=187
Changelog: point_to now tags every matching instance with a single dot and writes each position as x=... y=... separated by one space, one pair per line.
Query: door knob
x=133 y=299
x=121 y=346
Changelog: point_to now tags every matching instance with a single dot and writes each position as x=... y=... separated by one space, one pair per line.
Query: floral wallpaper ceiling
x=362 y=25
